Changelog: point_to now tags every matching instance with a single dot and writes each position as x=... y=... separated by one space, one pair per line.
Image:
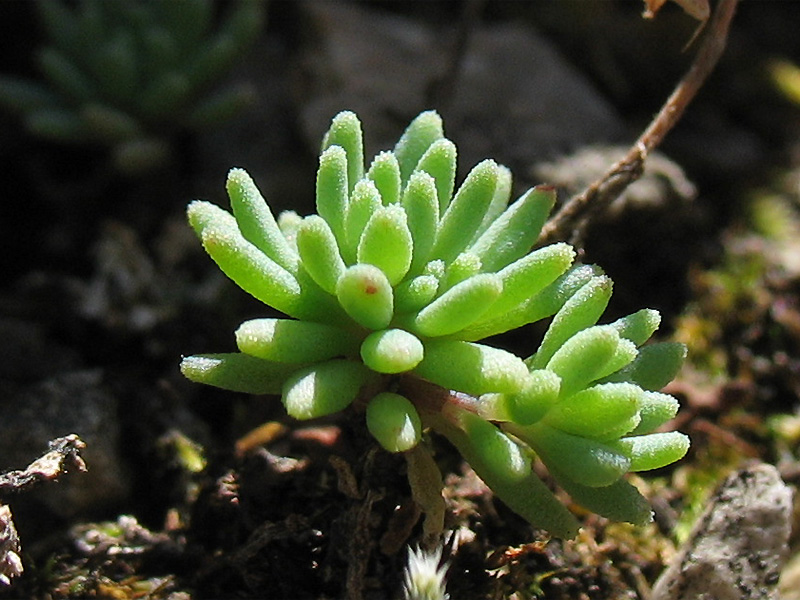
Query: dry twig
x=63 y=457
x=569 y=222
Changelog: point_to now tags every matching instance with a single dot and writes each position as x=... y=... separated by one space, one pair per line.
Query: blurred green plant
x=129 y=75
x=785 y=76
x=390 y=287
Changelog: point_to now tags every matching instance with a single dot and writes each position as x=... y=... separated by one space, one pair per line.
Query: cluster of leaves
x=389 y=289
x=127 y=74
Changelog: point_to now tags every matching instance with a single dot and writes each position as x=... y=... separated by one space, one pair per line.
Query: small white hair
x=423 y=578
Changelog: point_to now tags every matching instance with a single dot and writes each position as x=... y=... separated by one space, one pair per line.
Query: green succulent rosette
x=129 y=75
x=389 y=289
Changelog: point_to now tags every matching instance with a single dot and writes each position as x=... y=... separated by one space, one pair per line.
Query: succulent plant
x=127 y=75
x=388 y=291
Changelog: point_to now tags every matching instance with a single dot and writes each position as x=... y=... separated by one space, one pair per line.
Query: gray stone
x=27 y=353
x=663 y=185
x=74 y=402
x=738 y=546
x=515 y=99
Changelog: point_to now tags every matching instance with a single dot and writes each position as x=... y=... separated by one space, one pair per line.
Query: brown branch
x=571 y=219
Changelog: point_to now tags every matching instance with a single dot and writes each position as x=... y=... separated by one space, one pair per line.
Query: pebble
x=738 y=546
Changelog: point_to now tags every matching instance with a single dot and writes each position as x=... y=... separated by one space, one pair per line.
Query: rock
x=790 y=580
x=73 y=402
x=515 y=98
x=663 y=185
x=738 y=546
x=10 y=562
x=518 y=100
x=28 y=353
x=655 y=216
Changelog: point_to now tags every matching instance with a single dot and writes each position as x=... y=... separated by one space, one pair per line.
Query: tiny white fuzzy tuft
x=424 y=578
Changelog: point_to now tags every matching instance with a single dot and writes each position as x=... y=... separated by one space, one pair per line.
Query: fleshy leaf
x=624 y=355
x=110 y=124
x=619 y=501
x=604 y=412
x=394 y=422
x=332 y=190
x=501 y=455
x=288 y=222
x=384 y=172
x=237 y=372
x=202 y=214
x=656 y=365
x=315 y=304
x=528 y=497
x=539 y=306
x=291 y=341
x=256 y=221
x=462 y=218
x=459 y=306
x=420 y=204
x=114 y=67
x=252 y=270
x=165 y=94
x=529 y=275
x=465 y=266
x=345 y=131
x=20 y=96
x=366 y=295
x=539 y=395
x=580 y=311
x=655 y=450
x=436 y=268
x=219 y=107
x=65 y=75
x=241 y=261
x=513 y=233
x=583 y=357
x=364 y=201
x=324 y=388
x=317 y=247
x=584 y=461
x=471 y=368
x=415 y=141
x=439 y=161
x=639 y=326
x=656 y=409
x=392 y=351
x=386 y=243
x=499 y=203
x=413 y=294
x=494 y=407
